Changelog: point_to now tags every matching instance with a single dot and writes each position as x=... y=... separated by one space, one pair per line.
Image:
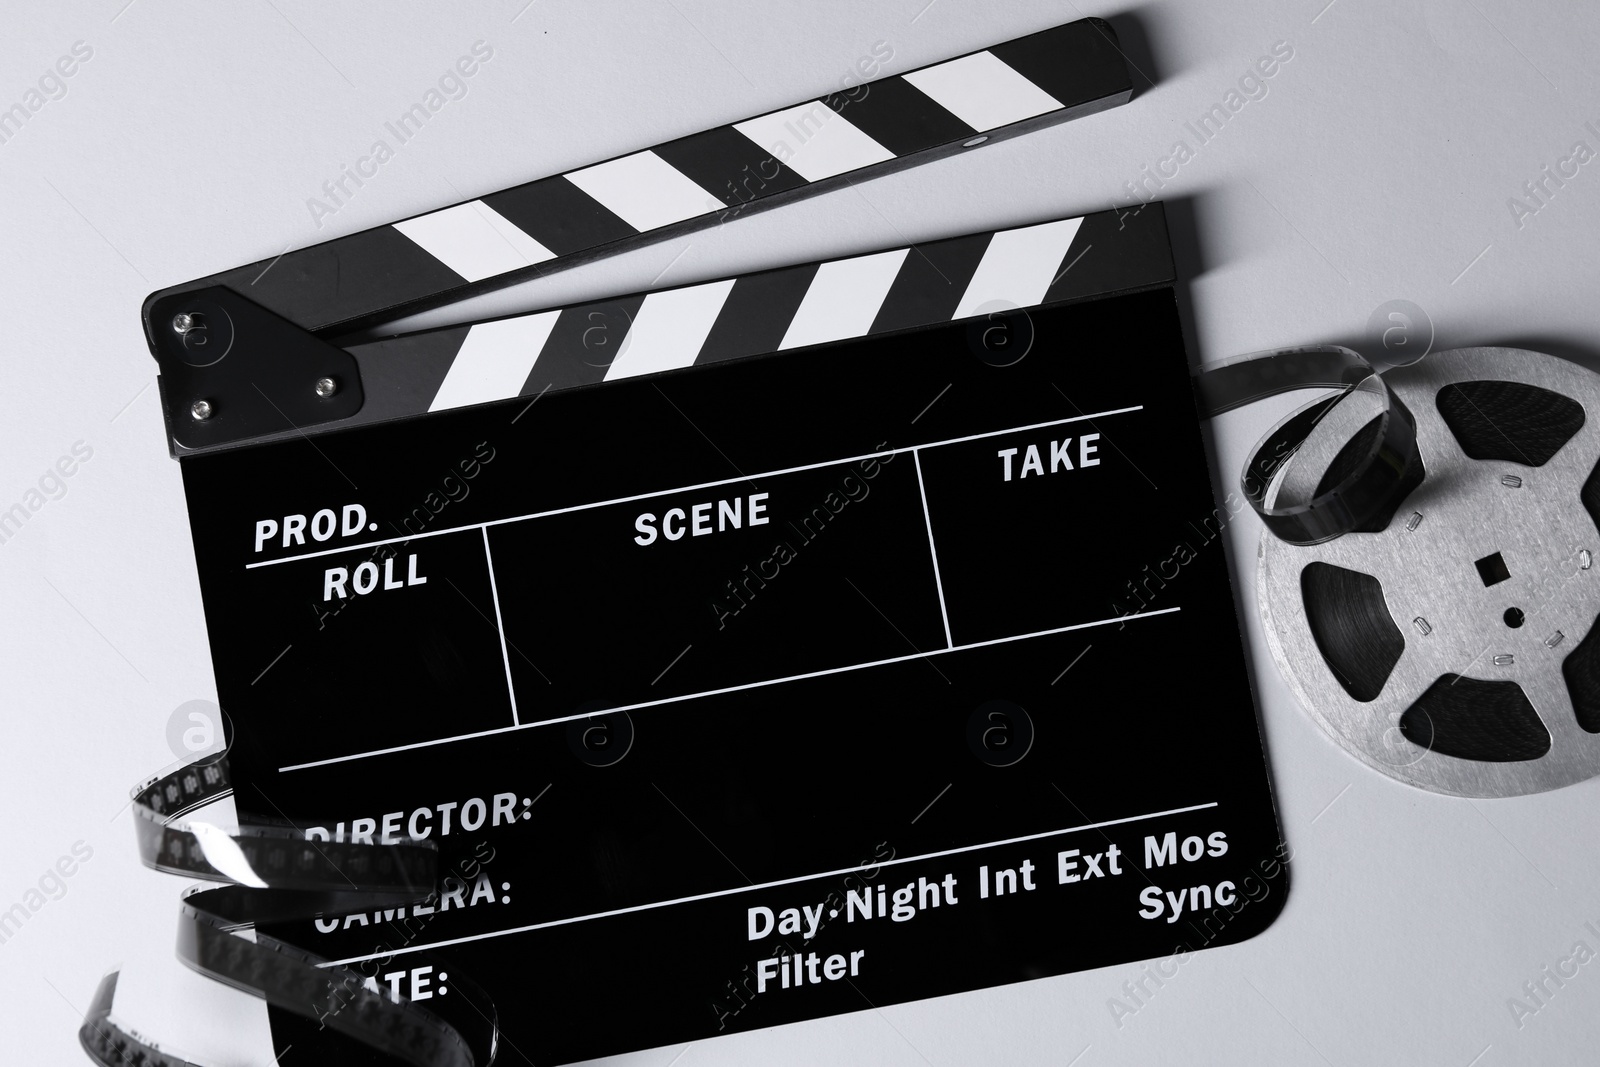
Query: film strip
x=276 y=873
x=1339 y=464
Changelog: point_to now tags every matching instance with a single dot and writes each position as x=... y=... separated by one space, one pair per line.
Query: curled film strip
x=1339 y=464
x=275 y=874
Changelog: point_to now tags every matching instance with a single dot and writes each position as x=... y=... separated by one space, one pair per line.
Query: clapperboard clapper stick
x=272 y=320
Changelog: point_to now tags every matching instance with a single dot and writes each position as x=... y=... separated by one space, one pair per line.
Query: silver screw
x=1413 y=522
x=326 y=387
x=183 y=322
x=1422 y=626
x=1511 y=481
x=200 y=410
x=1554 y=639
x=1504 y=660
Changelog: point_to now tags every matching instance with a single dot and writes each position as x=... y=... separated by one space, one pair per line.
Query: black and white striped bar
x=770 y=311
x=902 y=120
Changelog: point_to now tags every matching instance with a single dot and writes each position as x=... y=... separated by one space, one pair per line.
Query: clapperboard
x=747 y=651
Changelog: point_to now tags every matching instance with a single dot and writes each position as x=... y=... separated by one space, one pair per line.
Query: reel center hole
x=1492 y=569
x=1514 y=617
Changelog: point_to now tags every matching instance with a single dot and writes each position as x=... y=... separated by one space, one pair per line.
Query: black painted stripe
x=373 y=269
x=930 y=283
x=757 y=313
x=1075 y=63
x=1115 y=250
x=729 y=166
x=559 y=215
x=898 y=116
x=400 y=376
x=582 y=344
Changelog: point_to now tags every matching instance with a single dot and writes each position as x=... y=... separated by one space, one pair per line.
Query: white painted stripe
x=959 y=850
x=494 y=360
x=669 y=330
x=843 y=299
x=813 y=140
x=982 y=91
x=1017 y=268
x=474 y=240
x=644 y=190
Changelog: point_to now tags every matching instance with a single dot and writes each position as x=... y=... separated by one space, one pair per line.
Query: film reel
x=1447 y=638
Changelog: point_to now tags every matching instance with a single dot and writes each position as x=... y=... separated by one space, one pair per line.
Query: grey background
x=1378 y=166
